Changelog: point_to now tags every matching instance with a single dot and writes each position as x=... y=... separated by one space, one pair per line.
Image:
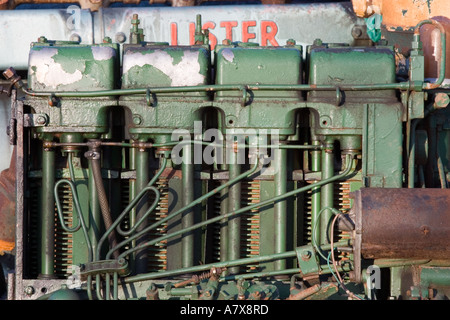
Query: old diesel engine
x=235 y=170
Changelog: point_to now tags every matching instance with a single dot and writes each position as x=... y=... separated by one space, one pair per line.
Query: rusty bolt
x=425 y=230
x=53 y=101
x=441 y=100
x=9 y=73
x=256 y=295
x=290 y=42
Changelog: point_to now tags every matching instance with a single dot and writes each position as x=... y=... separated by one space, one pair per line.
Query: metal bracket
x=35 y=119
x=106 y=266
x=307 y=260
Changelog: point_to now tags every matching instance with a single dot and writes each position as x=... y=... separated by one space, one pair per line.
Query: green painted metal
x=280 y=208
x=327 y=192
x=250 y=64
x=55 y=66
x=378 y=62
x=152 y=65
x=234 y=204
x=46 y=220
x=340 y=114
x=188 y=218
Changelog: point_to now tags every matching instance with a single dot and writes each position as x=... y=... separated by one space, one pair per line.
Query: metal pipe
x=145 y=145
x=327 y=191
x=442 y=59
x=349 y=164
x=192 y=204
x=238 y=262
x=131 y=206
x=280 y=207
x=47 y=219
x=95 y=212
x=214 y=88
x=187 y=220
x=412 y=148
x=234 y=203
x=76 y=207
x=94 y=158
x=142 y=179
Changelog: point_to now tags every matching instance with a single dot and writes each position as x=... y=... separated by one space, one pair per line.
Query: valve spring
x=342 y=203
x=125 y=198
x=63 y=239
x=157 y=255
x=307 y=220
x=250 y=222
x=217 y=202
x=63 y=242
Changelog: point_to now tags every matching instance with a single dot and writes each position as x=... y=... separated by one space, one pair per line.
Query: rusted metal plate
x=7 y=207
x=403 y=223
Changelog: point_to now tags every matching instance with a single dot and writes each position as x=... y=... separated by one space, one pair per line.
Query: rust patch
x=8 y=206
x=171 y=173
x=404 y=223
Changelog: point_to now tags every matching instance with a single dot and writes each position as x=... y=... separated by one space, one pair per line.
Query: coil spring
x=195 y=279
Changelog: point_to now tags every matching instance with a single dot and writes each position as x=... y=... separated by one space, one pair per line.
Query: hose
x=94 y=158
x=192 y=204
x=349 y=163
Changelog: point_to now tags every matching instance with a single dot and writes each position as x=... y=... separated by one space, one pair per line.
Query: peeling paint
x=103 y=53
x=50 y=73
x=228 y=54
x=184 y=73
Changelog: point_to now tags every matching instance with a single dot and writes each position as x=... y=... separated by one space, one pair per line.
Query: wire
x=340 y=281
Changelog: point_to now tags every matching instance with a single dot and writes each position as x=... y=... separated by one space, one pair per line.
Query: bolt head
x=306 y=255
x=9 y=73
x=29 y=290
x=41 y=120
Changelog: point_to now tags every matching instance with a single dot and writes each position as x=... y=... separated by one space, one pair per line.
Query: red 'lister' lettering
x=229 y=25
x=173 y=34
x=246 y=35
x=268 y=29
x=268 y=36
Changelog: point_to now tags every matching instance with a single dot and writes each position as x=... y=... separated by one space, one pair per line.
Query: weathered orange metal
x=403 y=15
x=403 y=223
x=7 y=207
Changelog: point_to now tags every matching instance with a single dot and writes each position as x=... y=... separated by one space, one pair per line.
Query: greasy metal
x=402 y=223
